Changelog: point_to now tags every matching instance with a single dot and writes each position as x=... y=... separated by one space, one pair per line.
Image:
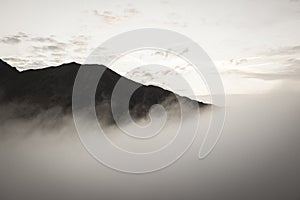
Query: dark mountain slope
x=34 y=91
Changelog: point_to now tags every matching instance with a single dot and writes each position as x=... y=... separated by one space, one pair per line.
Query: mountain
x=34 y=91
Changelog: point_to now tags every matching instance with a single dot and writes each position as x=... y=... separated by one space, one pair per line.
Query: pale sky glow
x=254 y=44
x=130 y=63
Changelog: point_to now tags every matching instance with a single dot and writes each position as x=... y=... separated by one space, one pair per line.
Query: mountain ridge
x=44 y=88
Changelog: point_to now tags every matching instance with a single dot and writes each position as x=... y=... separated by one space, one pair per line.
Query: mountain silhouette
x=34 y=91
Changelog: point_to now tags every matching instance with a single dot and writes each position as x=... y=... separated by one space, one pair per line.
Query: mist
x=257 y=157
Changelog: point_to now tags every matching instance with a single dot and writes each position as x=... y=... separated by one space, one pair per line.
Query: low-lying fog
x=257 y=157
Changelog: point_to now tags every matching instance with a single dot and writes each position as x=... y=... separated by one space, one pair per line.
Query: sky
x=254 y=44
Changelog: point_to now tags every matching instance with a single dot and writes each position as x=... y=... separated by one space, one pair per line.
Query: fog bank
x=257 y=157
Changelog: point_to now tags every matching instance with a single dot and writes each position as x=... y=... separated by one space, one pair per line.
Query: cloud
x=43 y=51
x=10 y=40
x=43 y=39
x=290 y=72
x=276 y=64
x=11 y=59
x=14 y=39
x=58 y=54
x=35 y=63
x=290 y=50
x=48 y=45
x=48 y=48
x=26 y=62
x=80 y=41
x=16 y=62
x=238 y=61
x=111 y=17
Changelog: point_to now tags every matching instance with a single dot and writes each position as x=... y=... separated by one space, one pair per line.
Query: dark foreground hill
x=34 y=91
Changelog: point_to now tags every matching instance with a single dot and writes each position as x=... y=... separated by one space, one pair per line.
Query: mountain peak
x=2 y=62
x=5 y=68
x=70 y=63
